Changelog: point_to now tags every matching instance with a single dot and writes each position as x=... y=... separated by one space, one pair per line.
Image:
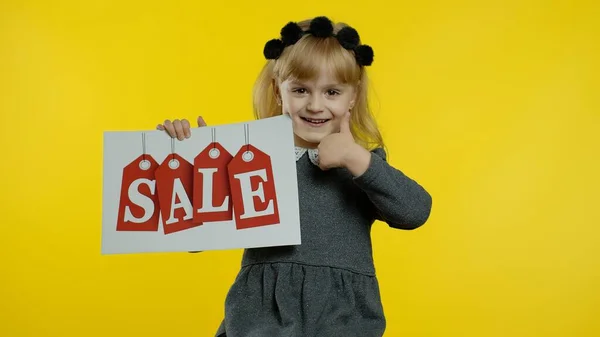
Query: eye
x=332 y=92
x=299 y=90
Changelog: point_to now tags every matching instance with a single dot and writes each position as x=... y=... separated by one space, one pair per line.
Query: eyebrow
x=329 y=85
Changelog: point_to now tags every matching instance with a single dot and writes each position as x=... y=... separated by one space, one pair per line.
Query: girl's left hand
x=340 y=150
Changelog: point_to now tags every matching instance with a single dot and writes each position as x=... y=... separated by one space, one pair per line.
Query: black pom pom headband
x=319 y=27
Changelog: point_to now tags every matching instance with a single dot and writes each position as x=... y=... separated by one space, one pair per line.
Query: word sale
x=186 y=195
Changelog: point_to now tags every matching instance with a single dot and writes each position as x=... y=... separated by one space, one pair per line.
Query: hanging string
x=143 y=146
x=173 y=148
x=247 y=136
x=214 y=137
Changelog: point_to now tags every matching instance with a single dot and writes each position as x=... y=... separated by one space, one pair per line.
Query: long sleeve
x=398 y=200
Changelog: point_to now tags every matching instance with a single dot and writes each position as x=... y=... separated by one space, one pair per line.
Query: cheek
x=292 y=105
x=339 y=108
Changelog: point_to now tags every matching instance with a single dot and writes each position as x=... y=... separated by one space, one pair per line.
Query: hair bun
x=273 y=49
x=364 y=55
x=321 y=26
x=290 y=33
x=348 y=37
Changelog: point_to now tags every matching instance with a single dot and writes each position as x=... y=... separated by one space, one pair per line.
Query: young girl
x=327 y=285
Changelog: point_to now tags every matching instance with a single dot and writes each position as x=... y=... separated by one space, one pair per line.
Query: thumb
x=201 y=121
x=345 y=124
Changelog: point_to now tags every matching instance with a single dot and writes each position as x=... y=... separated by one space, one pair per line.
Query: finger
x=186 y=128
x=201 y=121
x=178 y=129
x=160 y=127
x=169 y=128
x=345 y=124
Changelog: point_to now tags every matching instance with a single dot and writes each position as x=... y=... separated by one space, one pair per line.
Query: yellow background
x=493 y=106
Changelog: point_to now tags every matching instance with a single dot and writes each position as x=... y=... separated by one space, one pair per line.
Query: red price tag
x=212 y=201
x=138 y=203
x=253 y=189
x=174 y=183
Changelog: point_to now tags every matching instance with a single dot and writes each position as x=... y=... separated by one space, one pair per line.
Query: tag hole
x=145 y=164
x=174 y=163
x=214 y=153
x=248 y=156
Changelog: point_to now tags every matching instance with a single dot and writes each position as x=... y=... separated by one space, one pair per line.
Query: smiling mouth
x=314 y=121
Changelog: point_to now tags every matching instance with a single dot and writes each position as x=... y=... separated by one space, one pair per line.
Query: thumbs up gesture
x=340 y=150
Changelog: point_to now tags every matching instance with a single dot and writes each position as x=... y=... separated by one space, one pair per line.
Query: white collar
x=313 y=154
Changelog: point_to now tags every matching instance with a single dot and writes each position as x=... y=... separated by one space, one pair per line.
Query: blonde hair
x=302 y=61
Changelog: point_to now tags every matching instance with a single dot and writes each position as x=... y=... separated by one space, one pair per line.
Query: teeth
x=316 y=120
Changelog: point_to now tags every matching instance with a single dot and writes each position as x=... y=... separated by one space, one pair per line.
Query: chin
x=311 y=133
x=308 y=138
x=312 y=139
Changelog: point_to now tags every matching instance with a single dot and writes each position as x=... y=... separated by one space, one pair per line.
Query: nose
x=315 y=104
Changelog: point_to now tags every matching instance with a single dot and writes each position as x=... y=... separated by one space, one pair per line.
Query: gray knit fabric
x=327 y=285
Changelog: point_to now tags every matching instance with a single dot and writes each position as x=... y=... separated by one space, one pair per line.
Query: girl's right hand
x=179 y=129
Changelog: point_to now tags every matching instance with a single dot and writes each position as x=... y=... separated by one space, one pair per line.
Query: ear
x=355 y=96
x=276 y=91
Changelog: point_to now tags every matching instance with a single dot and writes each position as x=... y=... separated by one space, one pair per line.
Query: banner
x=226 y=187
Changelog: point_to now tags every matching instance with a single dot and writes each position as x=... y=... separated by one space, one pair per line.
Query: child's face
x=316 y=107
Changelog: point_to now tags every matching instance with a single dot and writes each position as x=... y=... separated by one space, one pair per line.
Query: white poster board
x=226 y=187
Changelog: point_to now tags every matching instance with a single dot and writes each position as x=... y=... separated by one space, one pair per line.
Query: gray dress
x=327 y=285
